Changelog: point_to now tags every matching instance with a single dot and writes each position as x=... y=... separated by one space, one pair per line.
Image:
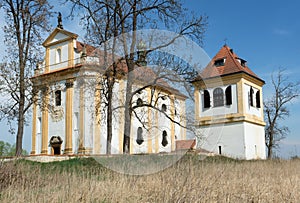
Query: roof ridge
x=234 y=60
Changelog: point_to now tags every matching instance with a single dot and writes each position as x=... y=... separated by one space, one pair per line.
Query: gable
x=59 y=35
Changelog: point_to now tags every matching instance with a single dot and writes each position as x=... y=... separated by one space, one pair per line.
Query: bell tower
x=229 y=109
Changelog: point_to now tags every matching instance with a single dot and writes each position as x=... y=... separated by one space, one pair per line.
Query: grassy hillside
x=189 y=180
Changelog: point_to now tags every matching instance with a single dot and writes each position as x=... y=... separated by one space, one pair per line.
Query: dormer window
x=242 y=62
x=219 y=62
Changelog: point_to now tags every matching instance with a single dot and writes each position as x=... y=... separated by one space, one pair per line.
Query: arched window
x=163 y=108
x=206 y=99
x=57 y=98
x=228 y=95
x=257 y=97
x=251 y=96
x=218 y=97
x=164 y=141
x=139 y=138
x=58 y=55
x=139 y=102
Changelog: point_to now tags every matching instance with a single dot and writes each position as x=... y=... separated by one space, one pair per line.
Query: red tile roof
x=232 y=65
x=185 y=144
x=89 y=49
x=145 y=74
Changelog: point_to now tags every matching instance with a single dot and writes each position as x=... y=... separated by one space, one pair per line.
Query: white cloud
x=281 y=32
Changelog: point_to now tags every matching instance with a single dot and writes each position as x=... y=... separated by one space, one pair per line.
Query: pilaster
x=69 y=120
x=34 y=121
x=197 y=103
x=71 y=53
x=97 y=131
x=149 y=137
x=183 y=118
x=122 y=114
x=172 y=127
x=81 y=149
x=47 y=60
x=45 y=129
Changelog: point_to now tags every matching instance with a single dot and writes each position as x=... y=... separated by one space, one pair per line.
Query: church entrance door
x=55 y=143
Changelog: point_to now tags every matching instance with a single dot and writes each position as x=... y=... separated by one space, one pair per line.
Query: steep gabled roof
x=229 y=63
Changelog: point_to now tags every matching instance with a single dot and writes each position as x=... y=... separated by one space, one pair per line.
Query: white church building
x=68 y=111
x=229 y=108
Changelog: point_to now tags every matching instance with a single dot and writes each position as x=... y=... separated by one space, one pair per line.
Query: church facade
x=69 y=113
x=229 y=108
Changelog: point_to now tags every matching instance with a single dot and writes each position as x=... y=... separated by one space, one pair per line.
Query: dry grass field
x=214 y=179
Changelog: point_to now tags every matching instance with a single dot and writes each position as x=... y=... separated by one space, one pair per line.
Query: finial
x=59 y=21
x=225 y=42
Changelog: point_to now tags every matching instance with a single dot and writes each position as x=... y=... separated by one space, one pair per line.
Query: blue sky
x=265 y=33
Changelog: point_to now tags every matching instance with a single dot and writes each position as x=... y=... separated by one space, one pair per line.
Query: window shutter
x=257 y=96
x=228 y=94
x=206 y=99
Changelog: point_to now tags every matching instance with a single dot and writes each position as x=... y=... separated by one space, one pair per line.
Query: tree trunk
x=20 y=135
x=127 y=126
x=21 y=117
x=270 y=152
x=109 y=114
x=270 y=145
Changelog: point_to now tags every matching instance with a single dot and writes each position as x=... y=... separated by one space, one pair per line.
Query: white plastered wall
x=229 y=136
x=254 y=141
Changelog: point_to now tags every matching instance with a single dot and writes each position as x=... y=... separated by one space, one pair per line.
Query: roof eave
x=208 y=78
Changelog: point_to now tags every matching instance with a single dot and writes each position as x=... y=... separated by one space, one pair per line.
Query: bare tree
x=25 y=21
x=276 y=109
x=111 y=18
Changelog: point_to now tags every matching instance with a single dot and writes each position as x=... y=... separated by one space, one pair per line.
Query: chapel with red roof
x=228 y=107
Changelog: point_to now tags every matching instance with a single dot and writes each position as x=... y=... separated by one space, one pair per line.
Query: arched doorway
x=55 y=143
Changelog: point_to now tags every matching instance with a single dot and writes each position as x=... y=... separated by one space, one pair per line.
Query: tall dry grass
x=190 y=180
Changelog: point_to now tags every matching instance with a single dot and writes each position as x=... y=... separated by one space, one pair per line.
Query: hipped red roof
x=231 y=65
